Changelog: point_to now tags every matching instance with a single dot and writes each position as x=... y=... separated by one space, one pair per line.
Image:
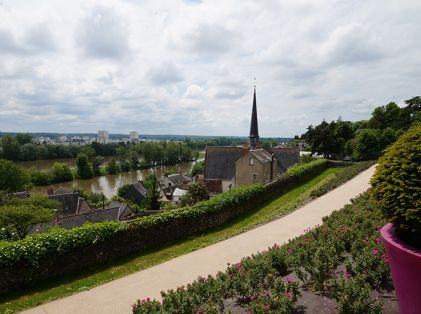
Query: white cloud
x=187 y=67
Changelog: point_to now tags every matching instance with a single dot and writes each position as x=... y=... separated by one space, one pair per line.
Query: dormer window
x=251 y=161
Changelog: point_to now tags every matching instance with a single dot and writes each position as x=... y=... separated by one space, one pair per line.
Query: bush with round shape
x=397 y=185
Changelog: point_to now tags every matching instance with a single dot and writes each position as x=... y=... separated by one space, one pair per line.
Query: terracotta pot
x=405 y=266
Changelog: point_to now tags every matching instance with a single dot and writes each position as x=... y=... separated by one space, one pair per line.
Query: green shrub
x=40 y=178
x=302 y=170
x=61 y=172
x=12 y=177
x=397 y=185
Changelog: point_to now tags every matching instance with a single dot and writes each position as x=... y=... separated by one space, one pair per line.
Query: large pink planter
x=405 y=265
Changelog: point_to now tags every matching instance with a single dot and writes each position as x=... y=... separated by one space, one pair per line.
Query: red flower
x=199 y=311
x=375 y=252
x=348 y=275
x=266 y=307
x=289 y=279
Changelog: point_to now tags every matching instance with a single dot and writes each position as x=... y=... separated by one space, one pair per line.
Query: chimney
x=271 y=167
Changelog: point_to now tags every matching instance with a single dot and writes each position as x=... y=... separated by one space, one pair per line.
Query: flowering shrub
x=258 y=282
x=353 y=296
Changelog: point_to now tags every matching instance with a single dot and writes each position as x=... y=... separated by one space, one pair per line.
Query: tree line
x=365 y=139
x=89 y=164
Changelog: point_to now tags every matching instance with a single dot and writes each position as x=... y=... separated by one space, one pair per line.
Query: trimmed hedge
x=307 y=169
x=397 y=185
x=60 y=251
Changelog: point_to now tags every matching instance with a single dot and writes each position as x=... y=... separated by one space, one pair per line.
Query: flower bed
x=343 y=259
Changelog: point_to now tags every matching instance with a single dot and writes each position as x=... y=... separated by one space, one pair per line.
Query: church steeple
x=254 y=130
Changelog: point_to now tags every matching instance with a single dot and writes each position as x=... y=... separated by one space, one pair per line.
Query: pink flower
x=199 y=311
x=290 y=251
x=134 y=306
x=266 y=307
x=289 y=279
x=288 y=295
x=375 y=252
x=379 y=240
x=348 y=275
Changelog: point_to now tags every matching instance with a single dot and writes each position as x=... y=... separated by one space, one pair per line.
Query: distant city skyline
x=187 y=67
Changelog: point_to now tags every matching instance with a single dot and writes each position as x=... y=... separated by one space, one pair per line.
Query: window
x=254 y=177
x=251 y=161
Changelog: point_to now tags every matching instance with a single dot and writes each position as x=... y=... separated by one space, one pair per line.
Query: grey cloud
x=165 y=73
x=102 y=34
x=35 y=40
x=209 y=39
x=351 y=44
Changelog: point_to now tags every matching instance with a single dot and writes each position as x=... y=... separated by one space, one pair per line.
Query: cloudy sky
x=187 y=67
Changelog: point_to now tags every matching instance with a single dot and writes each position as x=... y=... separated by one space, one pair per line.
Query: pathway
x=118 y=295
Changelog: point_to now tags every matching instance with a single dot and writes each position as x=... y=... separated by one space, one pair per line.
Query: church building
x=230 y=166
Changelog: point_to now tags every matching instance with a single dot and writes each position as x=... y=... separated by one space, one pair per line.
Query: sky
x=188 y=66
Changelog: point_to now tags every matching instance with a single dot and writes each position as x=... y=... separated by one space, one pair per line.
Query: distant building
x=134 y=136
x=228 y=166
x=103 y=137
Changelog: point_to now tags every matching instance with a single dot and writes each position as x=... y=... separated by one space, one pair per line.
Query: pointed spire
x=254 y=130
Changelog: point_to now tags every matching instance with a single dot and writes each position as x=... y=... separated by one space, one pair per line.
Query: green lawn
x=91 y=277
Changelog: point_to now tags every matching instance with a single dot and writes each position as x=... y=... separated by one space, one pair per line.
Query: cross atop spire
x=254 y=129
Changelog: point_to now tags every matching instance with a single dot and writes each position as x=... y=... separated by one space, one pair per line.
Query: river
x=109 y=184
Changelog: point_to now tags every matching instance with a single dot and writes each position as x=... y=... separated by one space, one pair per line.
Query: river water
x=109 y=184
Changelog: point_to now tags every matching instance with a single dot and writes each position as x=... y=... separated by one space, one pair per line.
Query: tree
x=88 y=151
x=16 y=220
x=112 y=167
x=24 y=138
x=61 y=172
x=12 y=177
x=198 y=168
x=196 y=192
x=153 y=195
x=96 y=163
x=10 y=148
x=84 y=169
x=28 y=151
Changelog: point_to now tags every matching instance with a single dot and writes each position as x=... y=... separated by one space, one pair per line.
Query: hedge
x=60 y=251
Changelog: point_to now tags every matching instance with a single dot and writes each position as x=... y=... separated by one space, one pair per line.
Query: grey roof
x=179 y=178
x=254 y=129
x=285 y=156
x=72 y=203
x=262 y=155
x=138 y=186
x=220 y=162
x=115 y=212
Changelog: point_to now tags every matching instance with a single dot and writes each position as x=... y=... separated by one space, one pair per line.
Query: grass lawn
x=66 y=285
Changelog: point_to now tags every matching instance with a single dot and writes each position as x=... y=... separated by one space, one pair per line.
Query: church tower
x=254 y=130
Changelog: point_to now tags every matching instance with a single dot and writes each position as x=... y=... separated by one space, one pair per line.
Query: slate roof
x=113 y=212
x=220 y=162
x=285 y=156
x=138 y=186
x=179 y=178
x=72 y=203
x=262 y=155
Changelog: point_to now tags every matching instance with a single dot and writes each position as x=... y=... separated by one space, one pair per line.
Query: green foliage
x=347 y=174
x=96 y=163
x=39 y=178
x=302 y=170
x=196 y=192
x=84 y=169
x=38 y=200
x=152 y=201
x=12 y=177
x=10 y=148
x=61 y=172
x=95 y=200
x=198 y=168
x=121 y=192
x=15 y=220
x=306 y=159
x=353 y=296
x=112 y=167
x=24 y=138
x=397 y=185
